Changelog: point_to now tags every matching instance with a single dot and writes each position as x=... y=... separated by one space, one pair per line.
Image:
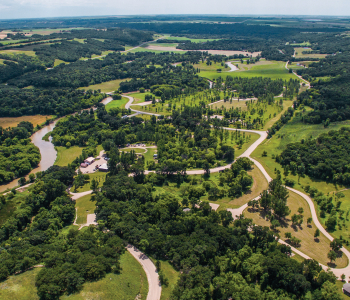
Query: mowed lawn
x=99 y=176
x=66 y=156
x=273 y=69
x=105 y=87
x=84 y=207
x=117 y=103
x=317 y=250
x=13 y=122
x=127 y=285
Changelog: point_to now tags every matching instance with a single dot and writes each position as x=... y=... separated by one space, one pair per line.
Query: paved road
x=154 y=287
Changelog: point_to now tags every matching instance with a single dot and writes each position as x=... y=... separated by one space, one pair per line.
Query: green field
x=99 y=176
x=138 y=97
x=66 y=156
x=117 y=103
x=84 y=207
x=127 y=285
x=272 y=69
x=213 y=67
x=105 y=87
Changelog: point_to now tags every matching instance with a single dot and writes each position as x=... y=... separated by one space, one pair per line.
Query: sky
x=13 y=9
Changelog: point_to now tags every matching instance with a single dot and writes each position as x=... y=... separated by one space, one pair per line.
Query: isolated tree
x=332 y=255
x=300 y=210
x=309 y=221
x=317 y=234
x=288 y=235
x=336 y=244
x=94 y=185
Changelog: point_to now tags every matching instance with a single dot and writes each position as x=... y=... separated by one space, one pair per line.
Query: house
x=89 y=160
x=186 y=210
x=83 y=165
x=346 y=289
x=103 y=168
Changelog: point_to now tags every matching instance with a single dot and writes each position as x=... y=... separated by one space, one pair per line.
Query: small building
x=83 y=165
x=186 y=210
x=346 y=289
x=89 y=160
x=155 y=156
x=103 y=168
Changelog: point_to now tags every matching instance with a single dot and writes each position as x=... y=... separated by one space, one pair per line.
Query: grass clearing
x=20 y=287
x=316 y=250
x=13 y=122
x=99 y=176
x=213 y=67
x=66 y=156
x=127 y=285
x=58 y=62
x=117 y=103
x=84 y=207
x=182 y=38
x=10 y=206
x=105 y=87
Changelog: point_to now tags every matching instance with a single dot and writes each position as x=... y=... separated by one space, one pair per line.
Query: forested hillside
x=18 y=156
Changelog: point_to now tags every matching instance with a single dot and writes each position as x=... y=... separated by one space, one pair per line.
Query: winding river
x=47 y=151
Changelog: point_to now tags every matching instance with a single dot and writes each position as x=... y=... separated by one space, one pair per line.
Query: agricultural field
x=13 y=122
x=270 y=69
x=66 y=156
x=105 y=87
x=299 y=53
x=315 y=249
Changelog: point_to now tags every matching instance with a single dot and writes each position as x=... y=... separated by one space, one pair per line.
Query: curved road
x=154 y=287
x=236 y=212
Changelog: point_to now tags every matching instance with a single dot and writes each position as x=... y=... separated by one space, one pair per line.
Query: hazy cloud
x=58 y=8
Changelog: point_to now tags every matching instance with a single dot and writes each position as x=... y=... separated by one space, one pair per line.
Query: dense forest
x=18 y=156
x=326 y=157
x=329 y=79
x=31 y=236
x=60 y=102
x=217 y=261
